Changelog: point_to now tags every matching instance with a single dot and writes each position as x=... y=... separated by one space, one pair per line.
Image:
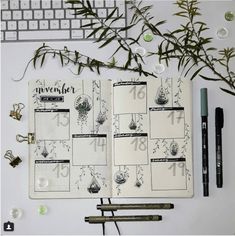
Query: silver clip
x=14 y=161
x=30 y=139
x=15 y=113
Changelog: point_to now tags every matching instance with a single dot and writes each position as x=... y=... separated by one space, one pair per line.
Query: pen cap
x=219 y=117
x=204 y=102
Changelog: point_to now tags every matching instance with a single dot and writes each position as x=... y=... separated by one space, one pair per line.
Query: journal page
x=152 y=145
x=71 y=122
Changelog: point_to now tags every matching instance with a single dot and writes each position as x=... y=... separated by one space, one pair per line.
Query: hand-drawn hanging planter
x=132 y=125
x=174 y=147
x=161 y=96
x=94 y=186
x=120 y=177
x=102 y=116
x=83 y=105
x=45 y=153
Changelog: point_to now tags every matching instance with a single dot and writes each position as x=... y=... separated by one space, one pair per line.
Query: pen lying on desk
x=143 y=206
x=103 y=219
x=205 y=167
x=219 y=124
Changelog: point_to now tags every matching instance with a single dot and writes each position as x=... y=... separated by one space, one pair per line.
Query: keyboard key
x=33 y=24
x=43 y=24
x=38 y=14
x=4 y=5
x=77 y=34
x=22 y=25
x=49 y=14
x=102 y=13
x=28 y=15
x=69 y=14
x=14 y=4
x=85 y=22
x=3 y=25
x=59 y=14
x=109 y=3
x=11 y=25
x=35 y=4
x=10 y=35
x=119 y=23
x=56 y=4
x=121 y=7
x=65 y=24
x=6 y=15
x=44 y=35
x=24 y=4
x=115 y=13
x=87 y=32
x=46 y=4
x=2 y=36
x=99 y=3
x=17 y=15
x=76 y=24
x=54 y=24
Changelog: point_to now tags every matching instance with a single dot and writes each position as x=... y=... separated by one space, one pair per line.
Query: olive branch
x=187 y=44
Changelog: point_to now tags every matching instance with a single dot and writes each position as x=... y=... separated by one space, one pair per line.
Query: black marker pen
x=219 y=124
x=205 y=164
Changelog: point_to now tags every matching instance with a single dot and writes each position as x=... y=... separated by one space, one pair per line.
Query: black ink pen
x=219 y=124
x=205 y=164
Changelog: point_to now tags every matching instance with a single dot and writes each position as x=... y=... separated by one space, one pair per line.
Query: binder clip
x=14 y=161
x=15 y=113
x=30 y=139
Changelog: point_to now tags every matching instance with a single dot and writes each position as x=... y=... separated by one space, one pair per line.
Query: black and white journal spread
x=103 y=138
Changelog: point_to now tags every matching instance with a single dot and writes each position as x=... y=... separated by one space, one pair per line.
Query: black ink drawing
x=83 y=104
x=103 y=110
x=94 y=186
x=120 y=177
x=116 y=124
x=133 y=125
x=139 y=176
x=162 y=95
x=174 y=148
x=178 y=94
x=44 y=152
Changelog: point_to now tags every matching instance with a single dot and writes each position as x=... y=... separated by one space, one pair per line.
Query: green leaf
x=61 y=58
x=107 y=41
x=43 y=58
x=228 y=91
x=197 y=72
x=111 y=14
x=207 y=78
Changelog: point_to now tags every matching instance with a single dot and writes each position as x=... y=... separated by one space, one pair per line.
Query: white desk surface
x=197 y=215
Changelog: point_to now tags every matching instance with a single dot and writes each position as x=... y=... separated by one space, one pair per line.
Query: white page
x=71 y=120
x=152 y=138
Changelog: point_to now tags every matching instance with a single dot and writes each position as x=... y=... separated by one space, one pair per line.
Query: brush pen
x=219 y=124
x=204 y=127
x=103 y=219
x=142 y=206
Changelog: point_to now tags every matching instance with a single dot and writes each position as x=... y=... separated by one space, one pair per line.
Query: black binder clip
x=15 y=113
x=14 y=161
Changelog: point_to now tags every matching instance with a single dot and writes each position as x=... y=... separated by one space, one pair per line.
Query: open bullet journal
x=103 y=138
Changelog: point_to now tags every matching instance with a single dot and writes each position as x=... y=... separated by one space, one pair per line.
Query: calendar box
x=130 y=97
x=174 y=172
x=52 y=175
x=131 y=149
x=52 y=124
x=89 y=149
x=166 y=122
